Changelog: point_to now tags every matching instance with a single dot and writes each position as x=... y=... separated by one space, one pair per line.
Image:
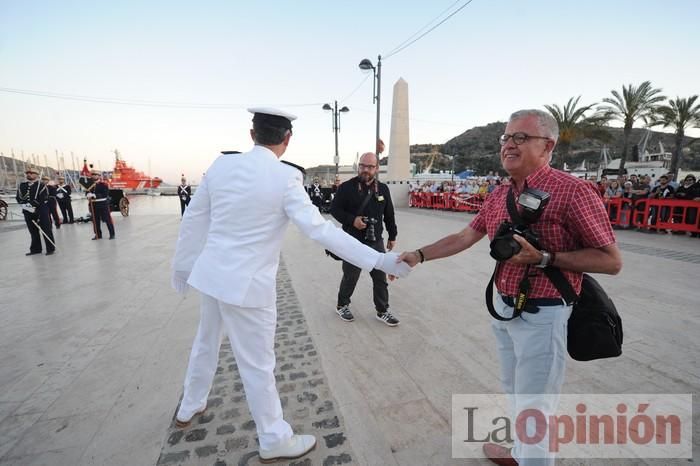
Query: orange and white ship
x=127 y=178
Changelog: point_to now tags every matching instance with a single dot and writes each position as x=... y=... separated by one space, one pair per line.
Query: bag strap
x=364 y=202
x=558 y=279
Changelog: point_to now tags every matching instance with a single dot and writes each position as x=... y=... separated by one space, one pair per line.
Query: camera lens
x=504 y=248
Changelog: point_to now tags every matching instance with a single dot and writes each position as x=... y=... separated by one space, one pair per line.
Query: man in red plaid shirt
x=574 y=235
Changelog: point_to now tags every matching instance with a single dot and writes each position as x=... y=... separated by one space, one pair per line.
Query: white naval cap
x=272 y=117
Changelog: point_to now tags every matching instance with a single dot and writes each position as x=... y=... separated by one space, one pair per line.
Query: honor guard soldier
x=53 y=206
x=98 y=197
x=63 y=192
x=33 y=196
x=230 y=253
x=184 y=192
x=315 y=193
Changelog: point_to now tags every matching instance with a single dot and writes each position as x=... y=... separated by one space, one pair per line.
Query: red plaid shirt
x=574 y=218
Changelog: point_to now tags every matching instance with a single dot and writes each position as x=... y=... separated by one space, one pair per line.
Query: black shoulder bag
x=359 y=211
x=595 y=327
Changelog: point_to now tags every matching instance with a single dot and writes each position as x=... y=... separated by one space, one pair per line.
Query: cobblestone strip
x=225 y=434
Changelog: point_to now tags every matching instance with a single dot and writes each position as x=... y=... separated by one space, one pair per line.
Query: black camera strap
x=364 y=203
x=512 y=208
x=520 y=304
x=554 y=274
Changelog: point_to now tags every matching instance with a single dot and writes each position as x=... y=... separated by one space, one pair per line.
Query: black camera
x=370 y=234
x=504 y=246
x=532 y=203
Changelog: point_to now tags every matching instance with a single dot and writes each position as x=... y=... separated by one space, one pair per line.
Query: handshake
x=393 y=265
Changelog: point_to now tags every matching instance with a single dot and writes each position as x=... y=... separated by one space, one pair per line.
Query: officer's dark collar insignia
x=230 y=152
x=301 y=169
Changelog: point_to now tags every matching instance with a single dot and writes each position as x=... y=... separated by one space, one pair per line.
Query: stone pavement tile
x=434 y=448
x=12 y=428
x=89 y=392
x=23 y=387
x=407 y=423
x=369 y=442
x=149 y=396
x=8 y=408
x=38 y=402
x=225 y=434
x=63 y=457
x=56 y=434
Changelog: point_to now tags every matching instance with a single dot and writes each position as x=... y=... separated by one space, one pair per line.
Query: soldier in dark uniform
x=315 y=194
x=361 y=205
x=33 y=197
x=184 y=192
x=53 y=206
x=63 y=192
x=98 y=197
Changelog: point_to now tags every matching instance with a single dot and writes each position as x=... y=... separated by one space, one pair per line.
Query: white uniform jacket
x=232 y=231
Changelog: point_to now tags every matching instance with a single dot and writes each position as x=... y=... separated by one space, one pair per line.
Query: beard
x=366 y=177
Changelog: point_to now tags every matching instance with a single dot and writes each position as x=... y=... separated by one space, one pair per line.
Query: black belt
x=539 y=302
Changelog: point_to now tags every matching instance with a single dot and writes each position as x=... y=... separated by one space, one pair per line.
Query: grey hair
x=548 y=125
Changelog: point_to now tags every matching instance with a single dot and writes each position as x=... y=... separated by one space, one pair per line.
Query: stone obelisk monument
x=399 y=168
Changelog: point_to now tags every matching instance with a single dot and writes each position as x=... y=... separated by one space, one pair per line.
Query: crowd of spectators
x=482 y=185
x=636 y=188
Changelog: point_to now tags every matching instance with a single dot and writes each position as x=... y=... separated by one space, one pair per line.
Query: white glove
x=387 y=263
x=179 y=281
x=91 y=196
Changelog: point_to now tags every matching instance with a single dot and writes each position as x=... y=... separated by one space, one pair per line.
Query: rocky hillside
x=478 y=149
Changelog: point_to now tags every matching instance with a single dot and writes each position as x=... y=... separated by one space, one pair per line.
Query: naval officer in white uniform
x=228 y=249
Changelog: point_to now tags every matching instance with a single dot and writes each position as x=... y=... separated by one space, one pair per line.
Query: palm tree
x=679 y=114
x=574 y=124
x=633 y=104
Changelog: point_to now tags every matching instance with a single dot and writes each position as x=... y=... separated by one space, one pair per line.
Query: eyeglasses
x=518 y=138
x=363 y=166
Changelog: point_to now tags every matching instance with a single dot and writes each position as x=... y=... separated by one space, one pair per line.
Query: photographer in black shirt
x=362 y=204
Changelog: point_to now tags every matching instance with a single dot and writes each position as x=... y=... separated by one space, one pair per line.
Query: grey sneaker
x=388 y=318
x=345 y=314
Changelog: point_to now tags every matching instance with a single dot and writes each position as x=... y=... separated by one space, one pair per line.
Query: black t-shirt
x=662 y=192
x=689 y=193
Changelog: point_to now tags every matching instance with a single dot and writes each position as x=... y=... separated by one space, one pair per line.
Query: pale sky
x=491 y=58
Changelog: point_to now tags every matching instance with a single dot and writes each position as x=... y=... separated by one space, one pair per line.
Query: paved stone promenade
x=225 y=433
x=94 y=346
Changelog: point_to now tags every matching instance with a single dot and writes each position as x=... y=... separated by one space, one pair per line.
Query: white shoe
x=180 y=424
x=296 y=447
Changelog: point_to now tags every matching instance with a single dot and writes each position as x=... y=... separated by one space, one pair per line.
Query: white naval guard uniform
x=228 y=249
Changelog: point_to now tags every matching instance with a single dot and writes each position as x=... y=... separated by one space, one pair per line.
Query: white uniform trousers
x=532 y=351
x=251 y=332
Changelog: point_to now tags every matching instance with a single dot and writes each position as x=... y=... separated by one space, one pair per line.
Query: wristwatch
x=546 y=260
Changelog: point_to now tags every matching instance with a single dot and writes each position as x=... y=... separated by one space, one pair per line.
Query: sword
x=44 y=234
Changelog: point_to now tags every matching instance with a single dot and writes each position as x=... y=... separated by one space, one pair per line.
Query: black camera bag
x=359 y=211
x=595 y=327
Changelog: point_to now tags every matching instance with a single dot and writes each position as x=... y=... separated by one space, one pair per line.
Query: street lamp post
x=336 y=127
x=366 y=64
